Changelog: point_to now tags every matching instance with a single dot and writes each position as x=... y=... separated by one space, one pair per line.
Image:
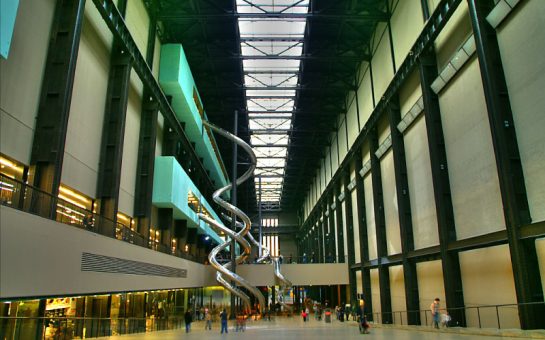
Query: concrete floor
x=294 y=328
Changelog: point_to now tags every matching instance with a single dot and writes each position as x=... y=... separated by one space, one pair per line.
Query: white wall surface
x=356 y=224
x=375 y=291
x=383 y=71
x=359 y=282
x=352 y=118
x=470 y=155
x=85 y=124
x=130 y=146
x=453 y=35
x=540 y=247
x=391 y=210
x=342 y=139
x=423 y=210
x=487 y=278
x=345 y=232
x=407 y=21
x=40 y=257
x=430 y=285
x=522 y=44
x=137 y=21
x=397 y=293
x=365 y=96
x=410 y=92
x=370 y=214
x=21 y=78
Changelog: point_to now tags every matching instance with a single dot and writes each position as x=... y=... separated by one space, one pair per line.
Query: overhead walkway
x=299 y=274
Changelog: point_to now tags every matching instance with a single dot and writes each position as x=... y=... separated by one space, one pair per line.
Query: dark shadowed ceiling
x=286 y=66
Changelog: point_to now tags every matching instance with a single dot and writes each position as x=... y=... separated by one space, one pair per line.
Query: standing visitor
x=434 y=307
x=223 y=317
x=208 y=319
x=188 y=319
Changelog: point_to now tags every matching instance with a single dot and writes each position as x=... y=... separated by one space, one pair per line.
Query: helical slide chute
x=224 y=270
x=284 y=283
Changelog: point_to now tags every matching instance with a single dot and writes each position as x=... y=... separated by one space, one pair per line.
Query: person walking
x=434 y=307
x=223 y=317
x=188 y=319
x=208 y=319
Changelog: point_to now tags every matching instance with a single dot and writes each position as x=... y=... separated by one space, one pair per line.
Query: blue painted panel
x=8 y=12
x=177 y=81
x=171 y=186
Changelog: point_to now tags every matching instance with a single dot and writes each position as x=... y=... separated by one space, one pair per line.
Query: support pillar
x=113 y=130
x=364 y=241
x=380 y=223
x=412 y=298
x=350 y=237
x=452 y=278
x=52 y=119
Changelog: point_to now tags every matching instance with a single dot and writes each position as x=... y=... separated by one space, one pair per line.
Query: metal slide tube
x=239 y=237
x=264 y=250
x=284 y=283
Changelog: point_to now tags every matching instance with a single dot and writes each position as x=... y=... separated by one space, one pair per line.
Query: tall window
x=270 y=241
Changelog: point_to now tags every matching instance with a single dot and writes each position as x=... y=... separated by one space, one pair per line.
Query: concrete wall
x=487 y=278
x=391 y=211
x=430 y=286
x=471 y=161
x=37 y=250
x=522 y=44
x=397 y=292
x=21 y=79
x=85 y=123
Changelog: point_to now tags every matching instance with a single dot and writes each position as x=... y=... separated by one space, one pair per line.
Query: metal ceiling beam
x=272 y=72
x=286 y=38
x=362 y=57
x=173 y=16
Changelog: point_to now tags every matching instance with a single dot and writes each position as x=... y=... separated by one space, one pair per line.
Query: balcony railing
x=482 y=316
x=24 y=197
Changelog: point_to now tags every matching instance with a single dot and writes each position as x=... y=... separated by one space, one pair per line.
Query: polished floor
x=282 y=328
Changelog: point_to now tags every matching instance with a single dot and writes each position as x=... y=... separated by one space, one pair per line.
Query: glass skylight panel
x=271 y=152
x=275 y=48
x=271 y=64
x=269 y=180
x=271 y=27
x=286 y=6
x=271 y=93
x=271 y=79
x=270 y=123
x=271 y=47
x=270 y=104
x=265 y=139
x=271 y=162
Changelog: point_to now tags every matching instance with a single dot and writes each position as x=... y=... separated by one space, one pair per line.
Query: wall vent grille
x=107 y=264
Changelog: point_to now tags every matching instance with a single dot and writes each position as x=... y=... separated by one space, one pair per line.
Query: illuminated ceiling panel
x=271 y=48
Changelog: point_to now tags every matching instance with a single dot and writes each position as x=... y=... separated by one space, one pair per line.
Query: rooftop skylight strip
x=270 y=62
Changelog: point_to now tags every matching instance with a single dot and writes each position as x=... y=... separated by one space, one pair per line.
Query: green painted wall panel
x=177 y=81
x=171 y=185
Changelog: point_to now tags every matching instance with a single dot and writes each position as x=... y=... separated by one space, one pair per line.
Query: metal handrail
x=400 y=316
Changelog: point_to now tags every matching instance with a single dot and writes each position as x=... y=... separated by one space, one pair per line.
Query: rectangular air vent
x=107 y=264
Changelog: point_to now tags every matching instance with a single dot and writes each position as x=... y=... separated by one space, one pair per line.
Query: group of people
x=188 y=319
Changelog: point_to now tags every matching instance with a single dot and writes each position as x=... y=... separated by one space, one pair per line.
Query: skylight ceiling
x=271 y=50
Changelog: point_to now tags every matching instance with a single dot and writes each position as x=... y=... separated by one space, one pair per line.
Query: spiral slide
x=224 y=270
